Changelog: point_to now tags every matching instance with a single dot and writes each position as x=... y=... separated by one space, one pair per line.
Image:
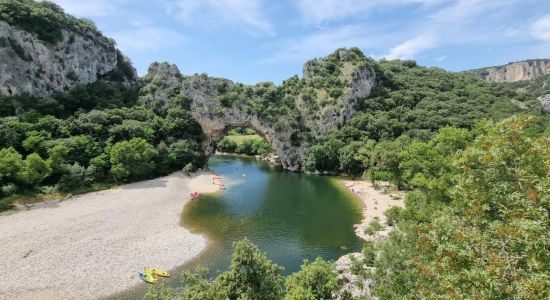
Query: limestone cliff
x=32 y=66
x=516 y=71
x=289 y=117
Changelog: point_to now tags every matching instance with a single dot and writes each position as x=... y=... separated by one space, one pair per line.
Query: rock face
x=545 y=102
x=516 y=71
x=353 y=284
x=170 y=77
x=31 y=66
x=164 y=86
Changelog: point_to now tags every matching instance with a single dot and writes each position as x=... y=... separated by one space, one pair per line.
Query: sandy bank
x=93 y=245
x=376 y=201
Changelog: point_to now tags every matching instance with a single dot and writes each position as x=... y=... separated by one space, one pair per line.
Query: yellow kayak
x=157 y=272
x=149 y=278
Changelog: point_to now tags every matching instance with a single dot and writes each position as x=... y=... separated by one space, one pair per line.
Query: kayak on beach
x=157 y=272
x=149 y=278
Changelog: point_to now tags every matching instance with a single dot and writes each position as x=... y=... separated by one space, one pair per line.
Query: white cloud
x=245 y=14
x=441 y=58
x=88 y=9
x=147 y=39
x=321 y=11
x=463 y=11
x=320 y=43
x=541 y=28
x=409 y=48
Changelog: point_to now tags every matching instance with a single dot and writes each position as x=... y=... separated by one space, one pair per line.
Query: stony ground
x=93 y=245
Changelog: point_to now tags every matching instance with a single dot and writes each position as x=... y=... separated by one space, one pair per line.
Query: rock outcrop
x=516 y=71
x=545 y=102
x=352 y=284
x=29 y=65
x=164 y=86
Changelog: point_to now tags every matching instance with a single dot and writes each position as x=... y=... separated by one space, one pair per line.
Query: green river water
x=290 y=216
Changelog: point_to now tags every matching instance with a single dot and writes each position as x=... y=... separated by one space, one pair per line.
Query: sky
x=252 y=41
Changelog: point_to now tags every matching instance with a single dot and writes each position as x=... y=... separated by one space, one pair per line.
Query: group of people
x=195 y=195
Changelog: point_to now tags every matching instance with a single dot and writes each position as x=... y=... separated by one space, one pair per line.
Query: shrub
x=392 y=215
x=132 y=159
x=77 y=177
x=9 y=189
x=49 y=189
x=315 y=280
x=5 y=203
x=374 y=227
x=35 y=170
x=189 y=168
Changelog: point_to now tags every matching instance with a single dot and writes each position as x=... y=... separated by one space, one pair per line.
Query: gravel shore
x=93 y=245
x=376 y=201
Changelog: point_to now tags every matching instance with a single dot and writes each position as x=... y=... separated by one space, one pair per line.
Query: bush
x=132 y=159
x=5 y=203
x=35 y=170
x=49 y=189
x=77 y=177
x=9 y=189
x=374 y=227
x=189 y=168
x=315 y=280
x=251 y=274
x=369 y=252
x=392 y=215
x=227 y=145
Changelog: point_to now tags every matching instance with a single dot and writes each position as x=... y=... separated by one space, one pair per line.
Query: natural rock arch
x=216 y=128
x=214 y=107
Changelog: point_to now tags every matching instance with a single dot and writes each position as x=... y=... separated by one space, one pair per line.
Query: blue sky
x=269 y=40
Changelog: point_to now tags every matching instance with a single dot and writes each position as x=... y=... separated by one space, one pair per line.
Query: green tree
x=35 y=169
x=430 y=165
x=387 y=156
x=132 y=159
x=350 y=161
x=315 y=280
x=181 y=153
x=76 y=177
x=11 y=163
x=251 y=274
x=491 y=240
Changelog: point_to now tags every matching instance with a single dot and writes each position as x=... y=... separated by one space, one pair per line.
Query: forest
x=475 y=226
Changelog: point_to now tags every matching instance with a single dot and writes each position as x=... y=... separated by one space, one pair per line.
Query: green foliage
x=76 y=177
x=189 y=168
x=322 y=157
x=227 y=145
x=98 y=95
x=11 y=162
x=374 y=227
x=315 y=280
x=241 y=142
x=393 y=214
x=87 y=140
x=34 y=170
x=490 y=240
x=9 y=189
x=132 y=159
x=429 y=165
x=44 y=18
x=369 y=252
x=160 y=292
x=251 y=274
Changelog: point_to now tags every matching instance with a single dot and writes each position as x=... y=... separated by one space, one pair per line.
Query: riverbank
x=376 y=201
x=93 y=245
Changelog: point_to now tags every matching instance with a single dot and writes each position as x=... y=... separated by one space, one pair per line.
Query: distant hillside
x=515 y=71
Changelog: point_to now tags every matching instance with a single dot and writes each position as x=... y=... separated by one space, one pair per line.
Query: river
x=290 y=216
